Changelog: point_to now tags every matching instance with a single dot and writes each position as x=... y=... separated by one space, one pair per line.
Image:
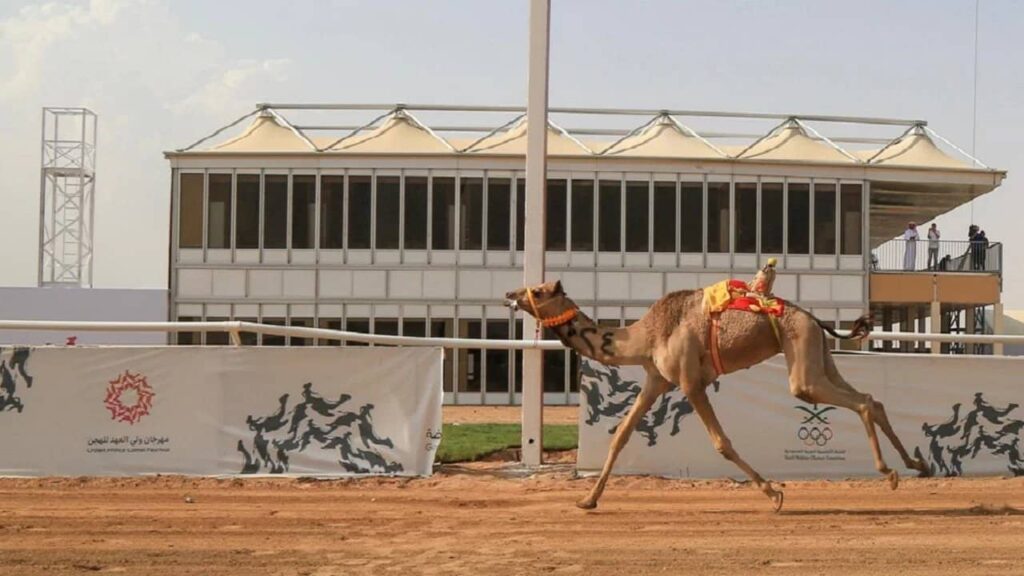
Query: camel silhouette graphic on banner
x=671 y=407
x=316 y=423
x=12 y=371
x=985 y=427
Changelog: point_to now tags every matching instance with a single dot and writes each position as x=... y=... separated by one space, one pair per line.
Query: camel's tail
x=861 y=329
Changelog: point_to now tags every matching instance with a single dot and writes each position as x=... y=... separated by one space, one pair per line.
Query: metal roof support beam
x=827 y=141
x=220 y=130
x=694 y=133
x=955 y=147
x=600 y=111
x=302 y=135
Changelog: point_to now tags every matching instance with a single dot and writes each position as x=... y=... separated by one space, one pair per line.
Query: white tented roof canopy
x=513 y=142
x=663 y=138
x=913 y=172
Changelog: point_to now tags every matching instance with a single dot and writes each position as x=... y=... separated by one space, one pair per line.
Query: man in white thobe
x=910 y=240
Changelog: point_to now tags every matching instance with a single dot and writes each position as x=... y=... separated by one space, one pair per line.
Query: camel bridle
x=550 y=321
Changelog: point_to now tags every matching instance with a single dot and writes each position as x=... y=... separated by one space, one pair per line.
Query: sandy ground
x=487 y=519
x=507 y=414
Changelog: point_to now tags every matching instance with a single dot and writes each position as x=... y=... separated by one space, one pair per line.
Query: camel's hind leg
x=698 y=397
x=880 y=417
x=653 y=387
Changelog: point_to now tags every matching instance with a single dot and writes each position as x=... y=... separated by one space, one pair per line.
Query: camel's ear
x=558 y=287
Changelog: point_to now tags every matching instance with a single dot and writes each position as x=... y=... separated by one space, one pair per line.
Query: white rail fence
x=235 y=328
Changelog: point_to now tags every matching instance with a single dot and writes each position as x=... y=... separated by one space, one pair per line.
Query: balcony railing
x=938 y=256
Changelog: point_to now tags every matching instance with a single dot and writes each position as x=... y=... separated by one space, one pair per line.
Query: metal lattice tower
x=67 y=197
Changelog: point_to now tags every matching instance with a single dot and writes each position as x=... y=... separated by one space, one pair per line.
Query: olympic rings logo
x=814 y=436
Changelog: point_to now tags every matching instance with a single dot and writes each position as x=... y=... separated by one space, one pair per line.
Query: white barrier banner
x=195 y=410
x=962 y=415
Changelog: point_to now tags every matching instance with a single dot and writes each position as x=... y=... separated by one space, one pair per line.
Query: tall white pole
x=533 y=244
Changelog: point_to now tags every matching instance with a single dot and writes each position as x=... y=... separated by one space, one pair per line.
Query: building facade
x=394 y=229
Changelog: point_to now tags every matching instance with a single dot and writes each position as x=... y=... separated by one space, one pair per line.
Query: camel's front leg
x=699 y=399
x=653 y=387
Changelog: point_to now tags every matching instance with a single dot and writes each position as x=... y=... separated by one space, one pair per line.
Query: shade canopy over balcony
x=914 y=175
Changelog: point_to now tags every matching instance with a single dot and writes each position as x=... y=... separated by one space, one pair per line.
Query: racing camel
x=688 y=339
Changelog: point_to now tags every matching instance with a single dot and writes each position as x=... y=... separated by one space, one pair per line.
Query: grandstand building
x=398 y=226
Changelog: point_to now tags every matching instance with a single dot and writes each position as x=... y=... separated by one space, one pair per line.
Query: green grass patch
x=468 y=442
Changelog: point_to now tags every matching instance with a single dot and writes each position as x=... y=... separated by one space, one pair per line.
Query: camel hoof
x=586 y=504
x=777 y=499
x=894 y=479
x=923 y=470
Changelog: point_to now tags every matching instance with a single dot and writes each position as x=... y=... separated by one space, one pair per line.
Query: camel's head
x=765 y=278
x=543 y=302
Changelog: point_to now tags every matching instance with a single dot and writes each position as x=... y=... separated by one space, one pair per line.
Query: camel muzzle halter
x=551 y=321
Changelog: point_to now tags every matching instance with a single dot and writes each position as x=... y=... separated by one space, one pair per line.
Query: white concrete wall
x=81 y=304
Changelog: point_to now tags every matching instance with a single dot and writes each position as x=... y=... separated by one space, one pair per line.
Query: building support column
x=997 y=327
x=969 y=326
x=533 y=244
x=905 y=327
x=936 y=325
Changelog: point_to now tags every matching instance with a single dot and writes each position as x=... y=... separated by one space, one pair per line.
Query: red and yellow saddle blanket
x=737 y=295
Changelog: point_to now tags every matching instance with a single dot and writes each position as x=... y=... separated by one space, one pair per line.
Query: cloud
x=27 y=36
x=231 y=90
x=155 y=84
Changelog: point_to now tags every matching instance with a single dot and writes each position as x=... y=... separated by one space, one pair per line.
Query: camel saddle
x=738 y=295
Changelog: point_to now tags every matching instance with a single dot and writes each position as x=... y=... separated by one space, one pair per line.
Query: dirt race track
x=482 y=519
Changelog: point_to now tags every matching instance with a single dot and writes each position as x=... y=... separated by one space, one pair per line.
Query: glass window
x=443 y=214
x=416 y=328
x=190 y=226
x=691 y=216
x=799 y=241
x=359 y=194
x=416 y=213
x=303 y=211
x=555 y=214
x=217 y=338
x=850 y=219
x=554 y=368
x=609 y=216
x=520 y=213
x=329 y=324
x=469 y=360
x=385 y=326
x=443 y=329
x=271 y=339
x=218 y=227
x=189 y=338
x=582 y=215
x=637 y=219
x=247 y=218
x=771 y=217
x=718 y=217
x=471 y=204
x=248 y=338
x=332 y=211
x=664 y=217
x=824 y=218
x=389 y=195
x=746 y=217
x=301 y=323
x=497 y=360
x=499 y=202
x=357 y=325
x=275 y=211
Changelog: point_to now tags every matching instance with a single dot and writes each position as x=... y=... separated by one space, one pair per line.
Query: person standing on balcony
x=972 y=235
x=933 y=246
x=981 y=241
x=910 y=237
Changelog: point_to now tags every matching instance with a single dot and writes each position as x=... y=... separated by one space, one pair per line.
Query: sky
x=162 y=73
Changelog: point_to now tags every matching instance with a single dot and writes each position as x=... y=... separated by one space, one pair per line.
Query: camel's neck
x=615 y=346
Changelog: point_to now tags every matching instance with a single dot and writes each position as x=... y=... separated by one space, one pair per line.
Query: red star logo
x=134 y=385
